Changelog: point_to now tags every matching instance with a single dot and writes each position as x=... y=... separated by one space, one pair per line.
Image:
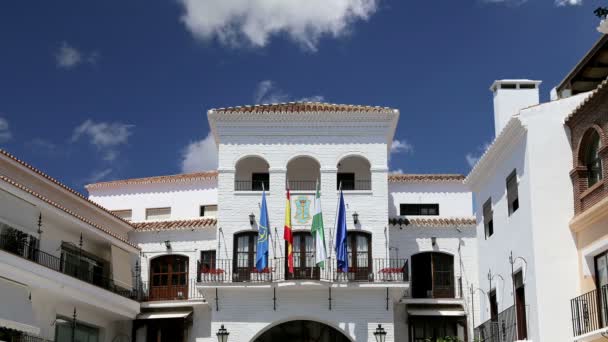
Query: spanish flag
x=287 y=233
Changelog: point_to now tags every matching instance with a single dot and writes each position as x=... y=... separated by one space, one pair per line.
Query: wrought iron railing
x=590 y=311
x=149 y=292
x=500 y=329
x=249 y=185
x=32 y=253
x=231 y=271
x=365 y=184
x=302 y=185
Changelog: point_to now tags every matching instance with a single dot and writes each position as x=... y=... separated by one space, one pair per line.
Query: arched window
x=251 y=174
x=304 y=266
x=169 y=277
x=359 y=256
x=244 y=255
x=591 y=158
x=432 y=275
x=303 y=173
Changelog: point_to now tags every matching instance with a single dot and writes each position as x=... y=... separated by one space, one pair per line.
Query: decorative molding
x=590 y=216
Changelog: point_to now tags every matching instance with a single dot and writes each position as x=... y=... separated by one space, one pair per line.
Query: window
x=493 y=305
x=359 y=250
x=169 y=277
x=83 y=265
x=592 y=159
x=244 y=255
x=303 y=257
x=158 y=214
x=208 y=211
x=419 y=209
x=520 y=305
x=260 y=181
x=512 y=193
x=488 y=219
x=82 y=332
x=347 y=180
x=123 y=214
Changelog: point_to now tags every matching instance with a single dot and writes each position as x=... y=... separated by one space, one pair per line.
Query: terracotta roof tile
x=295 y=107
x=68 y=211
x=58 y=183
x=434 y=222
x=205 y=222
x=184 y=177
x=425 y=178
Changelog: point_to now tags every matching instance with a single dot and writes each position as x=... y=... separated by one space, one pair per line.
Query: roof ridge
x=58 y=183
x=156 y=179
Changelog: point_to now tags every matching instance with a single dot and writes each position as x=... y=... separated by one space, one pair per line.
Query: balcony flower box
x=391 y=274
x=212 y=274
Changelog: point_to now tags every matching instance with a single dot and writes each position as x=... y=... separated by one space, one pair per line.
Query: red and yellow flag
x=287 y=233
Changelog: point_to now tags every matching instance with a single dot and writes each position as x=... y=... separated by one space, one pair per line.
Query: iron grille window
x=512 y=192
x=488 y=218
x=431 y=209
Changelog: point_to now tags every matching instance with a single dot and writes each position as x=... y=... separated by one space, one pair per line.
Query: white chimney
x=510 y=96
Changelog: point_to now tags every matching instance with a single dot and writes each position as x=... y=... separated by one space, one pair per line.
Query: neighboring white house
x=65 y=263
x=411 y=238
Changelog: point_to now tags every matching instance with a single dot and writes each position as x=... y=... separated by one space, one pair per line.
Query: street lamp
x=222 y=334
x=380 y=333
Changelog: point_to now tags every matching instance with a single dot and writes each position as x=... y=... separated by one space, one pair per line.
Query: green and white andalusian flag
x=317 y=231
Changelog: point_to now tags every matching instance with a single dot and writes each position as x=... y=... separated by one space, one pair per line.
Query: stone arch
x=278 y=323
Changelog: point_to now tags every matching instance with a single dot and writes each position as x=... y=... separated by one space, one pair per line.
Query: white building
x=411 y=237
x=65 y=262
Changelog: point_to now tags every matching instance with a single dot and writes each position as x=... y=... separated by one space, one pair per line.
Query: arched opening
x=590 y=157
x=432 y=275
x=251 y=174
x=303 y=173
x=169 y=277
x=302 y=331
x=354 y=173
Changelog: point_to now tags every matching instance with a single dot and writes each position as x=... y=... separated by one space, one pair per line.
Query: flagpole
x=331 y=235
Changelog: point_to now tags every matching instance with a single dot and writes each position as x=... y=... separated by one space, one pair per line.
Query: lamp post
x=380 y=334
x=222 y=334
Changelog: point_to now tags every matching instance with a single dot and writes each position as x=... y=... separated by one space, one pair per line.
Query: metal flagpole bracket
x=329 y=298
x=274 y=298
x=217 y=301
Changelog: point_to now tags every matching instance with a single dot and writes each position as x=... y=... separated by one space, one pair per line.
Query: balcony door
x=304 y=266
x=169 y=277
x=601 y=279
x=432 y=275
x=359 y=256
x=244 y=255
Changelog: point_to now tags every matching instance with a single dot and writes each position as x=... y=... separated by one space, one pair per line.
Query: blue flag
x=341 y=245
x=261 y=257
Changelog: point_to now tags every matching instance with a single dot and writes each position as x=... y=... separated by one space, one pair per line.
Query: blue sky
x=105 y=90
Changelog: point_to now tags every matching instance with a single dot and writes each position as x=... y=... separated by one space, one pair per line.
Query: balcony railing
x=302 y=185
x=33 y=254
x=355 y=185
x=249 y=185
x=229 y=271
x=590 y=311
x=500 y=329
x=148 y=292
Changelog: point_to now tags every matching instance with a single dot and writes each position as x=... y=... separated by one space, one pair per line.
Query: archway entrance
x=302 y=331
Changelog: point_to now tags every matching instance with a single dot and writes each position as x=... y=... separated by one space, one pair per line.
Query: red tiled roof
x=184 y=177
x=436 y=222
x=68 y=211
x=58 y=183
x=295 y=107
x=425 y=178
x=205 y=222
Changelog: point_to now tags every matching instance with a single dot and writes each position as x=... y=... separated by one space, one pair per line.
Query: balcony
x=17 y=336
x=146 y=292
x=590 y=313
x=499 y=329
x=92 y=276
x=224 y=271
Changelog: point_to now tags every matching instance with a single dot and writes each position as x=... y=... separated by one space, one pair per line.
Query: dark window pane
x=419 y=209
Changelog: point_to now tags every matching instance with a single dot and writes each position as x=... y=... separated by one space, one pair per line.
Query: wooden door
x=169 y=278
x=244 y=256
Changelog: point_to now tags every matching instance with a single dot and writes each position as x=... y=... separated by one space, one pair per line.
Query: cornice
x=503 y=143
x=596 y=213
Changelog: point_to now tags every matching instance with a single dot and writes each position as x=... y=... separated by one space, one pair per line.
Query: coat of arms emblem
x=302 y=215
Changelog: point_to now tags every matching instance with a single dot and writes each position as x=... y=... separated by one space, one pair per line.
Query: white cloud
x=561 y=3
x=268 y=92
x=396 y=171
x=105 y=136
x=401 y=146
x=473 y=157
x=98 y=175
x=5 y=133
x=68 y=56
x=200 y=156
x=254 y=22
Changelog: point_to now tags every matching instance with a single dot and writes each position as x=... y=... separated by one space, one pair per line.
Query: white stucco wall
x=454 y=199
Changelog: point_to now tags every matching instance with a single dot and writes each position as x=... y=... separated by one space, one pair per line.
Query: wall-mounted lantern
x=251 y=219
x=356 y=218
x=434 y=241
x=168 y=244
x=222 y=334
x=380 y=334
